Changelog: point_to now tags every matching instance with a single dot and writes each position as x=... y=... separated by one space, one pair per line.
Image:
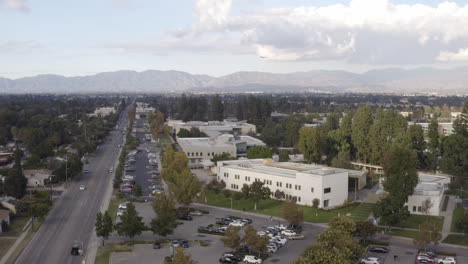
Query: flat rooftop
x=201 y=142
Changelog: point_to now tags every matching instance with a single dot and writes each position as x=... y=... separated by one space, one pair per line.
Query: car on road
x=378 y=249
x=156 y=245
x=369 y=260
x=446 y=260
x=185 y=218
x=184 y=244
x=252 y=259
x=77 y=249
x=425 y=261
x=82 y=187
x=86 y=171
x=196 y=213
x=111 y=170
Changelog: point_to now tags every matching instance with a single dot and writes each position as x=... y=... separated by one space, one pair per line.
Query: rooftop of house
x=225 y=140
x=40 y=173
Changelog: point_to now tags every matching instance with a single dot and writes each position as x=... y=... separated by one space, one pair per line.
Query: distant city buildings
x=301 y=182
x=142 y=110
x=102 y=111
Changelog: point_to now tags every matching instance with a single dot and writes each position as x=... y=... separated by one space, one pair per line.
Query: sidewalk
x=448 y=216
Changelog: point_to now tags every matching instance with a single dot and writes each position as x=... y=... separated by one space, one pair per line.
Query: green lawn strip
x=456 y=240
x=113 y=207
x=402 y=233
x=103 y=253
x=413 y=221
x=458 y=214
x=274 y=208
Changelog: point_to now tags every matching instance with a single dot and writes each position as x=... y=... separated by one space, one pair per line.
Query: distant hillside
x=394 y=80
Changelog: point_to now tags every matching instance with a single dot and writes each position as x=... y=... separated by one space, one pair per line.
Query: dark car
x=378 y=249
x=295 y=227
x=222 y=222
x=204 y=229
x=244 y=249
x=228 y=219
x=226 y=260
x=184 y=244
x=232 y=256
x=185 y=218
x=76 y=249
x=156 y=245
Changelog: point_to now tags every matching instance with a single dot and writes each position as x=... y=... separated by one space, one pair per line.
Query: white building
x=430 y=187
x=302 y=182
x=103 y=111
x=142 y=110
x=445 y=128
x=200 y=149
x=213 y=128
x=37 y=178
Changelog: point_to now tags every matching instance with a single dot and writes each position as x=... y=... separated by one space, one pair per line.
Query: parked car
x=237 y=223
x=232 y=256
x=120 y=212
x=369 y=260
x=261 y=233
x=222 y=222
x=205 y=229
x=184 y=244
x=425 y=261
x=446 y=260
x=175 y=243
x=378 y=249
x=227 y=260
x=196 y=213
x=246 y=220
x=280 y=227
x=296 y=237
x=156 y=245
x=295 y=227
x=272 y=248
x=252 y=259
x=288 y=233
x=279 y=240
x=244 y=248
x=123 y=205
x=185 y=218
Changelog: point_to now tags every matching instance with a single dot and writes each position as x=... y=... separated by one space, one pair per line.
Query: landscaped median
x=461 y=240
x=274 y=207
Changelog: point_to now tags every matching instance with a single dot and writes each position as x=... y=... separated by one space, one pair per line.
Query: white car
x=252 y=259
x=288 y=233
x=369 y=260
x=123 y=206
x=261 y=233
x=446 y=260
x=237 y=223
x=279 y=240
x=120 y=212
x=280 y=227
x=82 y=187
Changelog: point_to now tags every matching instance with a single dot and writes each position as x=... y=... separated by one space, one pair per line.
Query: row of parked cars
x=279 y=235
x=432 y=258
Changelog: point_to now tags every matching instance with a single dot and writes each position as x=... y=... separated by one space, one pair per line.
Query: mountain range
x=392 y=80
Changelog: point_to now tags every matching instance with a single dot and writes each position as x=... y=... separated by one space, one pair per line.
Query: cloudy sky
x=218 y=37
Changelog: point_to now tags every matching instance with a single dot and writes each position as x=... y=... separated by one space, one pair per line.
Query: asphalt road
x=73 y=216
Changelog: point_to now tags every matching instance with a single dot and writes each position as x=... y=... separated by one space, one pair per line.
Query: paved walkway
x=448 y=216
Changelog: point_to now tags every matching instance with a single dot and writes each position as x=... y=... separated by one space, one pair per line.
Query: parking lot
x=188 y=230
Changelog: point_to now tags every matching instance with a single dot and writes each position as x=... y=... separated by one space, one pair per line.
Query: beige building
x=37 y=178
x=103 y=111
x=199 y=150
x=142 y=110
x=213 y=128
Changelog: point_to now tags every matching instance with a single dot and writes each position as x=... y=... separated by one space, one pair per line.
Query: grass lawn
x=113 y=206
x=458 y=214
x=16 y=227
x=274 y=208
x=413 y=221
x=103 y=253
x=163 y=139
x=5 y=244
x=402 y=233
x=456 y=239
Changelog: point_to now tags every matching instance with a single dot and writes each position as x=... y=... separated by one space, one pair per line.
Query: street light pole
x=66 y=168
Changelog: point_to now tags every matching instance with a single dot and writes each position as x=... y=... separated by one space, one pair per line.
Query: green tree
x=132 y=224
x=401 y=178
x=36 y=206
x=137 y=191
x=221 y=157
x=15 y=182
x=103 y=225
x=185 y=187
x=343 y=223
x=311 y=144
x=416 y=134
x=255 y=241
x=259 y=152
x=245 y=190
x=434 y=144
x=181 y=258
x=455 y=156
x=293 y=125
x=365 y=229
x=428 y=233
x=216 y=109
x=460 y=125
x=258 y=192
x=342 y=160
x=231 y=238
x=166 y=221
x=292 y=213
x=360 y=136
x=283 y=155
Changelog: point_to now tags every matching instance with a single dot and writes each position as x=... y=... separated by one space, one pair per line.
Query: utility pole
x=66 y=167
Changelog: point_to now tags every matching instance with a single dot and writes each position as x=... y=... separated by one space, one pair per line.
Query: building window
x=327 y=190
x=419 y=208
x=298 y=198
x=414 y=208
x=312 y=189
x=325 y=203
x=208 y=153
x=299 y=187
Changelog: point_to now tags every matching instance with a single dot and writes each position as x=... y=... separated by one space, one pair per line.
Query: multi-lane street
x=73 y=216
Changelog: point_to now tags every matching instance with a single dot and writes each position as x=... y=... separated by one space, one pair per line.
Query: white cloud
x=18 y=5
x=362 y=32
x=447 y=56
